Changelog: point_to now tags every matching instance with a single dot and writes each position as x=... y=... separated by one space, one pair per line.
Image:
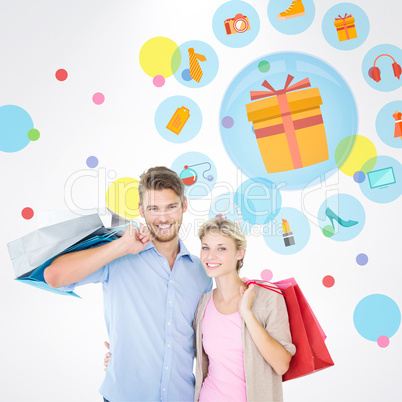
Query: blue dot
x=92 y=162
x=359 y=177
x=15 y=124
x=362 y=259
x=186 y=75
x=376 y=315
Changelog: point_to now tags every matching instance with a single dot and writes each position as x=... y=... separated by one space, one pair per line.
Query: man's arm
x=73 y=267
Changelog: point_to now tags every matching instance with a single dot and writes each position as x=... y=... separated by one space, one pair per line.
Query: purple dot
x=92 y=162
x=362 y=259
x=227 y=122
x=383 y=341
x=159 y=81
x=359 y=177
x=186 y=75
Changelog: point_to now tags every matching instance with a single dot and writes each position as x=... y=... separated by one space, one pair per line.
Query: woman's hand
x=107 y=356
x=247 y=297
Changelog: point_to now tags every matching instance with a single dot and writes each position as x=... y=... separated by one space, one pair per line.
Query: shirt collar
x=183 y=250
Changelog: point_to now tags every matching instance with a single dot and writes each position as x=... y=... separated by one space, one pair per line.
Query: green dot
x=264 y=66
x=328 y=231
x=33 y=134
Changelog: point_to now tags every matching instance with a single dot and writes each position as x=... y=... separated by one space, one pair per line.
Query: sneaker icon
x=296 y=9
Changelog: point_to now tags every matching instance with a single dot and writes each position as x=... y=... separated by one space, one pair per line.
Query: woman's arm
x=271 y=350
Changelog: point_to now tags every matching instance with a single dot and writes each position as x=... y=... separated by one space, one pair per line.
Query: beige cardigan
x=262 y=383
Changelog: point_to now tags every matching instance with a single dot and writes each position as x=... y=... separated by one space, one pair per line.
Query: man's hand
x=107 y=356
x=135 y=240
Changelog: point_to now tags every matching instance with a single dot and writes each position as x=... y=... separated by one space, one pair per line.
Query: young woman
x=242 y=336
x=242 y=339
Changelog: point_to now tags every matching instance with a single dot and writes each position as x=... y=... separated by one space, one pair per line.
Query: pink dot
x=61 y=74
x=328 y=281
x=27 y=213
x=383 y=341
x=159 y=81
x=98 y=98
x=266 y=275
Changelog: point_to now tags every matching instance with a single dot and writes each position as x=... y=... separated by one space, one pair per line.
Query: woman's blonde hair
x=226 y=228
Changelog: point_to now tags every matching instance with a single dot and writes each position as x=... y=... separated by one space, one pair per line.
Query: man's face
x=163 y=213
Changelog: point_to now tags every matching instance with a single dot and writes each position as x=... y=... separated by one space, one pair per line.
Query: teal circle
x=385 y=124
x=228 y=11
x=223 y=205
x=388 y=81
x=294 y=25
x=15 y=123
x=362 y=25
x=209 y=67
x=345 y=207
x=165 y=112
x=299 y=227
x=260 y=198
x=206 y=174
x=383 y=182
x=338 y=112
x=376 y=315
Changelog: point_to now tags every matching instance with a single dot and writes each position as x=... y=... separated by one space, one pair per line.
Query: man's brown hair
x=160 y=178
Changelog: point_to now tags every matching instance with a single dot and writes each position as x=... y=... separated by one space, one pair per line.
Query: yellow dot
x=160 y=56
x=353 y=152
x=122 y=197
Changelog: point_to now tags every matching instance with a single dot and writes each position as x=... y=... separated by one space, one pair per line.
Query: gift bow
x=254 y=95
x=343 y=18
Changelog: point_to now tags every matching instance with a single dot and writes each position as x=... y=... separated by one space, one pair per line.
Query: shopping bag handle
x=120 y=228
x=263 y=285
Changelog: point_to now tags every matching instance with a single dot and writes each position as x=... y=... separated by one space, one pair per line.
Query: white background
x=52 y=346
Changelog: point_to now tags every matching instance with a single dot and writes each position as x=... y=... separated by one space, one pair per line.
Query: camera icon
x=238 y=24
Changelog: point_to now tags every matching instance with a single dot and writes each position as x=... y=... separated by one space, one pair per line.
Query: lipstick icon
x=288 y=238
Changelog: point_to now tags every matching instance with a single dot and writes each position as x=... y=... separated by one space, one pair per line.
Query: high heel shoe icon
x=332 y=215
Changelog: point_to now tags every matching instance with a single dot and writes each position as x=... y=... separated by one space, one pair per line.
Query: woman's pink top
x=222 y=341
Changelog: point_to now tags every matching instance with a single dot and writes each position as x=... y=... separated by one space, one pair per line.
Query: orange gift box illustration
x=288 y=126
x=345 y=27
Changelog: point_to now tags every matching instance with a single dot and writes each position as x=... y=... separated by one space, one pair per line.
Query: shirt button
x=163 y=389
x=168 y=323
x=171 y=281
x=168 y=345
x=170 y=302
x=166 y=368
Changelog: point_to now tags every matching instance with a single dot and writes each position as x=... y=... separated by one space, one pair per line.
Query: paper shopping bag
x=32 y=250
x=307 y=335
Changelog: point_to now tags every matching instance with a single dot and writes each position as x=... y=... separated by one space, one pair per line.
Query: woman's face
x=219 y=255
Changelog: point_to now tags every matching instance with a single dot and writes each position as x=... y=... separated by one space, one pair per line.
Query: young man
x=151 y=287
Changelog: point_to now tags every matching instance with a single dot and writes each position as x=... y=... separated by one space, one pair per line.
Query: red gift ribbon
x=263 y=285
x=285 y=113
x=344 y=23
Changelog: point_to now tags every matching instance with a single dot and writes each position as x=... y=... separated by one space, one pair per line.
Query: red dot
x=328 y=281
x=61 y=74
x=27 y=213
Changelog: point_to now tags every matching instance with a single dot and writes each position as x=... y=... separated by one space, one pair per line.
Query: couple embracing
x=160 y=310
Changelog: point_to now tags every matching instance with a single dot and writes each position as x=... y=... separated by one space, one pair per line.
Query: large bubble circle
x=15 y=127
x=376 y=316
x=316 y=146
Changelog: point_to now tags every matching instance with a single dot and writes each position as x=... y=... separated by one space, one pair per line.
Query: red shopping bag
x=307 y=335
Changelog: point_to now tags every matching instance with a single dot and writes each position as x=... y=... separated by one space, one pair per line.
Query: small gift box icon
x=288 y=126
x=345 y=27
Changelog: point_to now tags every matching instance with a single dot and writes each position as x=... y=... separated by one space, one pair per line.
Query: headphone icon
x=375 y=72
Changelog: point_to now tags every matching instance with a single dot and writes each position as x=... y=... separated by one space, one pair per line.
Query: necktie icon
x=195 y=69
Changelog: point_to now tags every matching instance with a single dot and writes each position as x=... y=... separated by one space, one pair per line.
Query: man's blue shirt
x=149 y=310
